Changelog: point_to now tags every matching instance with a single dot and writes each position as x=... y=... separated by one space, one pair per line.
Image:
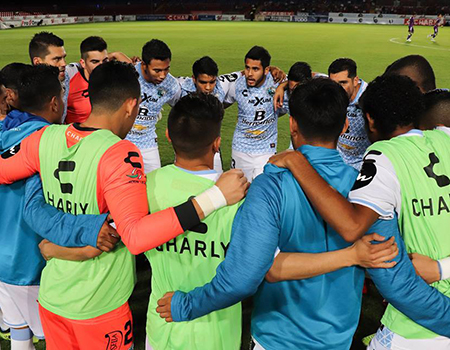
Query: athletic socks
x=22 y=339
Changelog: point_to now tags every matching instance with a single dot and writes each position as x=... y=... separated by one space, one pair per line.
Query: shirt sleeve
x=22 y=160
x=177 y=93
x=377 y=186
x=63 y=229
x=228 y=82
x=407 y=291
x=122 y=187
x=249 y=256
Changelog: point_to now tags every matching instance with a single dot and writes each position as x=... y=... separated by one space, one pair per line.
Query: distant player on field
x=410 y=28
x=89 y=169
x=158 y=87
x=439 y=23
x=191 y=259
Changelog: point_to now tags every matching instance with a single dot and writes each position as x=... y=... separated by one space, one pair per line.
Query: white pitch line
x=392 y=40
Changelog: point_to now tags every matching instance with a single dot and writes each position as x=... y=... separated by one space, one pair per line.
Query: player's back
x=315 y=313
x=421 y=163
x=189 y=261
x=69 y=178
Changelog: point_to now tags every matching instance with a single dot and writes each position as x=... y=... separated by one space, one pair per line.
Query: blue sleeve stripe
x=372 y=206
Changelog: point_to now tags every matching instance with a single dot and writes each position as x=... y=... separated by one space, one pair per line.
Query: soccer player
x=255 y=136
x=47 y=48
x=353 y=143
x=93 y=53
x=191 y=259
x=158 y=87
x=405 y=174
x=311 y=313
x=40 y=95
x=415 y=67
x=439 y=23
x=437 y=110
x=410 y=27
x=205 y=80
x=88 y=169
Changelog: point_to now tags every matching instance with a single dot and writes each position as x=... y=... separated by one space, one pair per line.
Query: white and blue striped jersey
x=257 y=126
x=353 y=143
x=143 y=133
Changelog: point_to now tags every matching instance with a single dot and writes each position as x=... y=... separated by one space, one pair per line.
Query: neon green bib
x=424 y=179
x=187 y=262
x=80 y=289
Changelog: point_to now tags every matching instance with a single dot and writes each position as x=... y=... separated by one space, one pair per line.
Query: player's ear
x=355 y=81
x=346 y=125
x=36 y=61
x=82 y=63
x=130 y=106
x=370 y=123
x=54 y=104
x=216 y=144
x=167 y=136
x=266 y=70
x=293 y=126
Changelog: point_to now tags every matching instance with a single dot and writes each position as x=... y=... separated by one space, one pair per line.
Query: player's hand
x=107 y=237
x=234 y=185
x=45 y=248
x=277 y=74
x=369 y=255
x=164 y=307
x=135 y=59
x=278 y=98
x=286 y=158
x=425 y=267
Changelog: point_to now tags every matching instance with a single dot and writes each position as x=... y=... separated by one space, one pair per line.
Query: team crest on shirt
x=136 y=174
x=271 y=91
x=161 y=92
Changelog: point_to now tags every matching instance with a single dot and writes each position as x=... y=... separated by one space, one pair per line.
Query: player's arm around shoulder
x=50 y=250
x=22 y=160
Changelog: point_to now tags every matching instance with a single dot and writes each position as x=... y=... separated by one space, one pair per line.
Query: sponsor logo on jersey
x=161 y=92
x=271 y=91
x=11 y=152
x=139 y=127
x=136 y=174
x=367 y=173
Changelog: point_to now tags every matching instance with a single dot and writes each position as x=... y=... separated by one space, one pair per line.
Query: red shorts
x=111 y=331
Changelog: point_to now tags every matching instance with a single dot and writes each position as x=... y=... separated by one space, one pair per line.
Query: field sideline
x=373 y=47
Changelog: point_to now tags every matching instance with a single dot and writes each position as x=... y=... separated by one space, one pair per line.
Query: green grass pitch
x=373 y=47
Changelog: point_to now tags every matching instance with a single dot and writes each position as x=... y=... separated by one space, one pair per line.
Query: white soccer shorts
x=151 y=159
x=251 y=164
x=20 y=307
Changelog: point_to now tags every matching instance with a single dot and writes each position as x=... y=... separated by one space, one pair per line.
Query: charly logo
x=271 y=91
x=161 y=92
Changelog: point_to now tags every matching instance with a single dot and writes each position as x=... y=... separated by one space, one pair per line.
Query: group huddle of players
x=365 y=185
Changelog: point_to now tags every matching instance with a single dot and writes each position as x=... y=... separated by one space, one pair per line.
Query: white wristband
x=210 y=200
x=445 y=268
